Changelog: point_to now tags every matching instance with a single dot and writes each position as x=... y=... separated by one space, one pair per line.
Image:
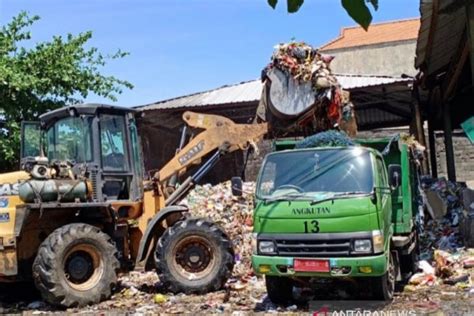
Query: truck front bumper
x=339 y=267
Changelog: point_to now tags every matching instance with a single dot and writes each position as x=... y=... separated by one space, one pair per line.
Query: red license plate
x=310 y=265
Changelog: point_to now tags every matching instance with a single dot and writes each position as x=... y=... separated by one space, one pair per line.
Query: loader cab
x=100 y=142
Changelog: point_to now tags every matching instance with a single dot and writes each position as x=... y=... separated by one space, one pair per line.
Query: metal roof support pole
x=418 y=123
x=432 y=143
x=470 y=32
x=448 y=142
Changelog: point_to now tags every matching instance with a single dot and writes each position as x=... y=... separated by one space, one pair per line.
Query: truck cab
x=331 y=212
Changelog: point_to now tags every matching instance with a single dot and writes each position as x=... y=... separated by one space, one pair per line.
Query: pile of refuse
x=300 y=91
x=234 y=214
x=325 y=139
x=444 y=257
x=304 y=64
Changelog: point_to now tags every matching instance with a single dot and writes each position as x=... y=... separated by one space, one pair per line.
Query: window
x=382 y=172
x=137 y=158
x=316 y=171
x=70 y=139
x=112 y=141
x=31 y=139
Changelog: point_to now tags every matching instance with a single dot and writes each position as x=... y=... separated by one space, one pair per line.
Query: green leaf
x=294 y=5
x=358 y=11
x=272 y=3
x=375 y=4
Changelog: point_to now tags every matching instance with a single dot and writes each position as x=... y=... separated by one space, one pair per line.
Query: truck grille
x=314 y=248
x=323 y=245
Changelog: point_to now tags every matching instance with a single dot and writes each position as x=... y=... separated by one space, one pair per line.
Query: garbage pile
x=304 y=63
x=234 y=214
x=443 y=195
x=325 y=139
x=444 y=260
x=301 y=92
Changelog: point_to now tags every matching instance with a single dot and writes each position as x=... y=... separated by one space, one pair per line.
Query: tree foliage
x=357 y=9
x=47 y=76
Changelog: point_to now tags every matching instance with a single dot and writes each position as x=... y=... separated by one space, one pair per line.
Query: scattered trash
x=159 y=298
x=426 y=267
x=233 y=213
x=445 y=279
x=36 y=305
x=444 y=259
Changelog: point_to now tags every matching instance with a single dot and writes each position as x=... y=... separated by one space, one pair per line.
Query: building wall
x=389 y=59
x=463 y=156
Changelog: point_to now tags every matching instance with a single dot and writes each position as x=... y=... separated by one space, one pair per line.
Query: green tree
x=47 y=76
x=357 y=9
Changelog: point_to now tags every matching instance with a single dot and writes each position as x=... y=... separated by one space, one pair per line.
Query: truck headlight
x=254 y=243
x=266 y=247
x=377 y=239
x=362 y=245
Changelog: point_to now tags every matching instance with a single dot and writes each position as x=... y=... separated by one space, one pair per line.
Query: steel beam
x=470 y=33
x=448 y=142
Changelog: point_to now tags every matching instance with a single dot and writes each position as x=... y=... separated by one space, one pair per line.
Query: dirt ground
x=140 y=293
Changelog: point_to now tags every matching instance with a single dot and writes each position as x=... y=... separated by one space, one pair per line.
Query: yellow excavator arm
x=220 y=133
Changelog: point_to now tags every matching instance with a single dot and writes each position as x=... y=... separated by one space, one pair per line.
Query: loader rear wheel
x=76 y=266
x=194 y=256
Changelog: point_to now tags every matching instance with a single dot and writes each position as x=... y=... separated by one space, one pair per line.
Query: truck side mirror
x=395 y=175
x=236 y=183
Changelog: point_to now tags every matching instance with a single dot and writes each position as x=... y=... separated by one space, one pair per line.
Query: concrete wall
x=389 y=59
x=463 y=156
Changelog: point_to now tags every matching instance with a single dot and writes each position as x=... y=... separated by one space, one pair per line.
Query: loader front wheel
x=194 y=256
x=76 y=266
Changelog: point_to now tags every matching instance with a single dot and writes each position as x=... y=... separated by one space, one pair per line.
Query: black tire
x=279 y=289
x=76 y=265
x=194 y=256
x=384 y=286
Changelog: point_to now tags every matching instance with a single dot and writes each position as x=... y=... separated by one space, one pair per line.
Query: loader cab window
x=112 y=140
x=30 y=139
x=70 y=139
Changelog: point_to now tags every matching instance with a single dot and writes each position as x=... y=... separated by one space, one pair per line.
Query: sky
x=178 y=47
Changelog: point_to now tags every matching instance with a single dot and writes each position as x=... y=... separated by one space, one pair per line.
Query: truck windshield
x=311 y=172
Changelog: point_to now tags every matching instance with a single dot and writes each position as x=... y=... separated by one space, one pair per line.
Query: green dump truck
x=336 y=212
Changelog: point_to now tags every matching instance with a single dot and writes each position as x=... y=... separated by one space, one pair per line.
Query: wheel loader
x=80 y=211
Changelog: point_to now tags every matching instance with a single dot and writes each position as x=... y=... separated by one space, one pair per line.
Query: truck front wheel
x=75 y=266
x=194 y=256
x=279 y=289
x=384 y=286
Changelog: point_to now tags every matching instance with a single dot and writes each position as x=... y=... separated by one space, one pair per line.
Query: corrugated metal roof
x=250 y=91
x=445 y=22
